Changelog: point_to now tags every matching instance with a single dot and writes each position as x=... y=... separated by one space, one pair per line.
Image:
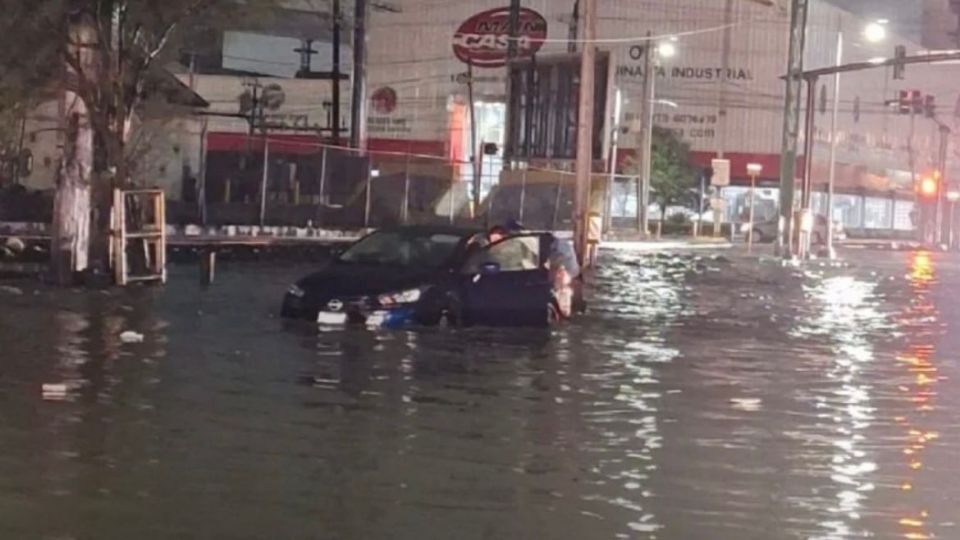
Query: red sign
x=483 y=39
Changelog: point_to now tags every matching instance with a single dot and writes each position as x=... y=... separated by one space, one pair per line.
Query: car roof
x=432 y=229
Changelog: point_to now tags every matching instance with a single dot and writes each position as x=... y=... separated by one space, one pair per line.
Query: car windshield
x=403 y=248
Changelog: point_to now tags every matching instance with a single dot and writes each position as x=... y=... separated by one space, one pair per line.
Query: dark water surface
x=702 y=398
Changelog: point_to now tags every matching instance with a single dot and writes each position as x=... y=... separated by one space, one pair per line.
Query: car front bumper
x=352 y=314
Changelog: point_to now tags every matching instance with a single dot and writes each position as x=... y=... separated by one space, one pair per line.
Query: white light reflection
x=848 y=317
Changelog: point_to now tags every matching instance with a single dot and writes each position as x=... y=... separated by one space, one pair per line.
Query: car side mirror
x=490 y=269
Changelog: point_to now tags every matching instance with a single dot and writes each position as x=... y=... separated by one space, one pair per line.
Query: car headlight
x=296 y=291
x=404 y=297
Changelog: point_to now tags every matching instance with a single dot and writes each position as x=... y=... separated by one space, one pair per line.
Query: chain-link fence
x=334 y=187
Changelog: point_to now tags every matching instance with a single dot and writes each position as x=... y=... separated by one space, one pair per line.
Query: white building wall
x=412 y=53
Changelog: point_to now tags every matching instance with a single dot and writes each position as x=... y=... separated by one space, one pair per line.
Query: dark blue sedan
x=425 y=275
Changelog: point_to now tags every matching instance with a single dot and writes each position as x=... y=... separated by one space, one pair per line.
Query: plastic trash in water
x=11 y=290
x=131 y=337
x=55 y=391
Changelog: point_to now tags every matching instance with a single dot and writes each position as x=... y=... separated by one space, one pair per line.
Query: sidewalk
x=668 y=244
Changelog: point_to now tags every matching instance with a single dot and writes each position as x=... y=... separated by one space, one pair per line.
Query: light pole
x=874 y=32
x=754 y=170
x=953 y=196
x=654 y=52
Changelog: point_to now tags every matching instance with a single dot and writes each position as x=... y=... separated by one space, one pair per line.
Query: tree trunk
x=71 y=221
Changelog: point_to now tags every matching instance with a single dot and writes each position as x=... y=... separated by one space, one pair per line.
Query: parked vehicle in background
x=767 y=231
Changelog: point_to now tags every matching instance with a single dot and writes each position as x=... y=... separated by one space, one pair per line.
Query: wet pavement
x=703 y=397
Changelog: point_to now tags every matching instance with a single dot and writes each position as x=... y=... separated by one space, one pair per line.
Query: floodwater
x=702 y=398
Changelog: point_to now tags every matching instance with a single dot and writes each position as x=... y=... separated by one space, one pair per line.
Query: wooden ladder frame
x=154 y=233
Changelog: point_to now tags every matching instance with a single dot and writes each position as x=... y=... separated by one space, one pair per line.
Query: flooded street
x=704 y=396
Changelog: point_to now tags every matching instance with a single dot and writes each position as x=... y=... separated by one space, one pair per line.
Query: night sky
x=905 y=15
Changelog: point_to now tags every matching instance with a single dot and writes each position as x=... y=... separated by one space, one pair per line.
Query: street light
x=874 y=32
x=953 y=196
x=655 y=52
x=667 y=49
x=754 y=170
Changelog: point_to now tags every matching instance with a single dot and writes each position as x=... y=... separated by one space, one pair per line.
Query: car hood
x=352 y=280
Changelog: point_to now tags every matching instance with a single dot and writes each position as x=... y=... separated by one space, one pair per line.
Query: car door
x=507 y=283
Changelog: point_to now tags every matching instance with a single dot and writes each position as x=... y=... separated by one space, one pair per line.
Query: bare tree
x=108 y=53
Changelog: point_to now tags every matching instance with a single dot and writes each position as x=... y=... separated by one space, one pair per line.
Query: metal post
x=321 y=206
x=584 y=163
x=753 y=192
x=921 y=205
x=453 y=202
x=358 y=105
x=791 y=122
x=475 y=154
x=952 y=239
x=513 y=28
x=724 y=77
x=698 y=225
x=202 y=195
x=643 y=188
x=574 y=30
x=368 y=198
x=942 y=184
x=264 y=181
x=556 y=205
x=405 y=204
x=612 y=167
x=335 y=73
x=834 y=139
x=523 y=193
x=807 y=195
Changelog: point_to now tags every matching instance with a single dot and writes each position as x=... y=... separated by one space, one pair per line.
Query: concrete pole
x=584 y=164
x=614 y=149
x=807 y=195
x=643 y=187
x=476 y=151
x=335 y=72
x=942 y=184
x=513 y=28
x=832 y=176
x=753 y=191
x=264 y=180
x=358 y=105
x=791 y=122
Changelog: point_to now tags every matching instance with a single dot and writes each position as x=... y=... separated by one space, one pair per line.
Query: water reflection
x=919 y=386
x=704 y=397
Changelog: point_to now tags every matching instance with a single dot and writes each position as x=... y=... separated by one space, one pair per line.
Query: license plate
x=376 y=319
x=326 y=317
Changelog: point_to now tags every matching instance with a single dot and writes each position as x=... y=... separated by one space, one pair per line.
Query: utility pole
x=942 y=232
x=791 y=123
x=725 y=68
x=574 y=28
x=513 y=28
x=646 y=147
x=358 y=105
x=806 y=232
x=476 y=154
x=335 y=72
x=584 y=165
x=834 y=139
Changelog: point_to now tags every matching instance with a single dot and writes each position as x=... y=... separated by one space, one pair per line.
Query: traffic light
x=930 y=186
x=899 y=70
x=911 y=102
